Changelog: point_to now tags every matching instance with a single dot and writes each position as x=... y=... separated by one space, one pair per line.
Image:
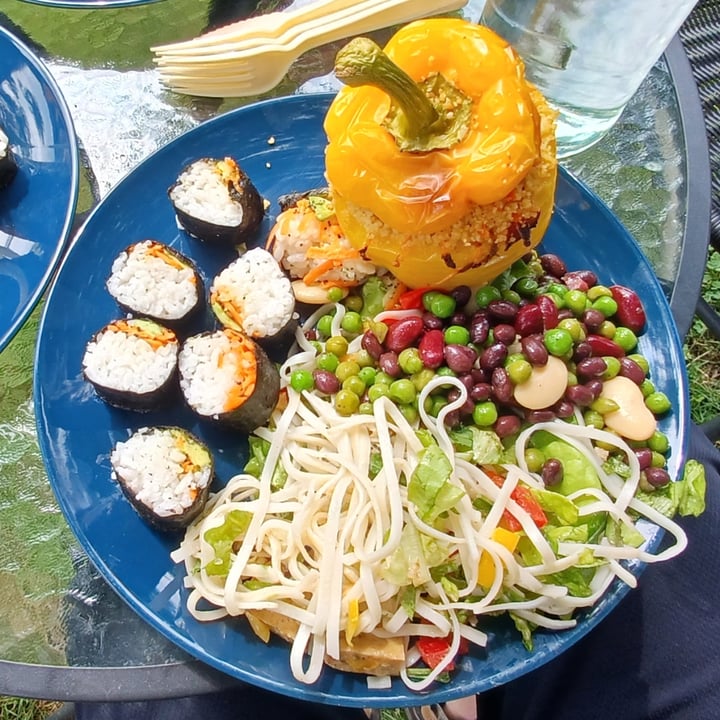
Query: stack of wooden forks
x=252 y=56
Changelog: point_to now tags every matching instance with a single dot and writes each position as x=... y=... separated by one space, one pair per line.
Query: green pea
x=365 y=408
x=607 y=329
x=606 y=304
x=367 y=375
x=574 y=327
x=485 y=414
x=352 y=322
x=324 y=325
x=377 y=391
x=354 y=303
x=456 y=335
x=647 y=387
x=658 y=403
x=657 y=459
x=594 y=419
x=317 y=345
x=354 y=384
x=487 y=294
x=346 y=402
x=421 y=378
x=659 y=442
x=576 y=300
x=612 y=367
x=519 y=371
x=625 y=338
x=557 y=289
x=409 y=361
x=403 y=391
x=511 y=296
x=514 y=357
x=363 y=358
x=559 y=300
x=335 y=294
x=535 y=459
x=604 y=405
x=558 y=341
x=445 y=371
x=439 y=304
x=382 y=378
x=301 y=380
x=327 y=361
x=642 y=361
x=526 y=287
x=438 y=402
x=345 y=369
x=572 y=378
x=409 y=412
x=337 y=345
x=598 y=291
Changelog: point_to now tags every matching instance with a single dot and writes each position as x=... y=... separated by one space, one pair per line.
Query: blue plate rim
x=56 y=256
x=372 y=698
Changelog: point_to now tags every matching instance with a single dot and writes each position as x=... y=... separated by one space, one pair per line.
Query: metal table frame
x=180 y=679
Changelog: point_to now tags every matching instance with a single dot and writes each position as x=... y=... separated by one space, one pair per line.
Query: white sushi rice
x=151 y=286
x=201 y=193
x=150 y=464
x=208 y=372
x=260 y=292
x=127 y=363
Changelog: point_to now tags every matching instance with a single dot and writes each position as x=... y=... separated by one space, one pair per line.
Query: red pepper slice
x=412 y=299
x=434 y=650
x=524 y=498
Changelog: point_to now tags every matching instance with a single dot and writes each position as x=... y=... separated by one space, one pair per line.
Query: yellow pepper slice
x=486 y=567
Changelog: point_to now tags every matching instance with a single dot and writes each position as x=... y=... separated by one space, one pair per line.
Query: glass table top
x=55 y=610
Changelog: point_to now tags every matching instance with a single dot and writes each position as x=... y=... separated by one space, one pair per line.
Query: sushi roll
x=151 y=279
x=132 y=364
x=8 y=166
x=254 y=295
x=228 y=378
x=215 y=201
x=166 y=473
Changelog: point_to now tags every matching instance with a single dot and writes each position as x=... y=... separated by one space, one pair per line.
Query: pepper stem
x=414 y=121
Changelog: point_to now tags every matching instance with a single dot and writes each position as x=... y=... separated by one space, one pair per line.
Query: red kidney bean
x=549 y=311
x=631 y=370
x=479 y=375
x=534 y=350
x=573 y=281
x=630 y=312
x=461 y=294
x=403 y=333
x=479 y=328
x=432 y=321
x=595 y=386
x=311 y=334
x=564 y=409
x=591 y=367
x=504 y=333
x=553 y=265
x=565 y=314
x=452 y=419
x=431 y=349
x=460 y=358
x=507 y=425
x=481 y=392
x=371 y=344
x=388 y=363
x=644 y=457
x=458 y=318
x=467 y=380
x=538 y=416
x=529 y=320
x=493 y=356
x=588 y=277
x=604 y=346
x=656 y=476
x=592 y=319
x=503 y=310
x=552 y=472
x=501 y=385
x=467 y=407
x=579 y=395
x=326 y=382
x=581 y=351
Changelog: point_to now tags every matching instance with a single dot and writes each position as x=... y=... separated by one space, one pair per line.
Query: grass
x=12 y=708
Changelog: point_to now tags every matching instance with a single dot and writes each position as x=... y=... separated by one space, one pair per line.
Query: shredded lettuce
x=411 y=561
x=578 y=471
x=259 y=449
x=221 y=539
x=684 y=497
x=481 y=447
x=430 y=489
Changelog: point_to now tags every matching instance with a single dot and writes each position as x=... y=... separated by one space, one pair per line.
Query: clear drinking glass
x=588 y=57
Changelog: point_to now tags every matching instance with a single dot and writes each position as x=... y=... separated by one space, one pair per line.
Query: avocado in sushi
x=153 y=280
x=215 y=201
x=228 y=378
x=253 y=295
x=132 y=364
x=166 y=474
x=8 y=166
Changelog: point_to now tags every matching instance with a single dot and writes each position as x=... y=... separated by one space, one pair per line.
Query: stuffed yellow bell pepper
x=441 y=156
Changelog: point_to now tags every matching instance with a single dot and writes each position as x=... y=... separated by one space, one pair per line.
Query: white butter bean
x=632 y=420
x=545 y=386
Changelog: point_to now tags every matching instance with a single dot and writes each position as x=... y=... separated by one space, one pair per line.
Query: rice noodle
x=324 y=540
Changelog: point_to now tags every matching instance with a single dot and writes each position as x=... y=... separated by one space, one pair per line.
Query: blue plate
x=280 y=144
x=90 y=4
x=37 y=208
